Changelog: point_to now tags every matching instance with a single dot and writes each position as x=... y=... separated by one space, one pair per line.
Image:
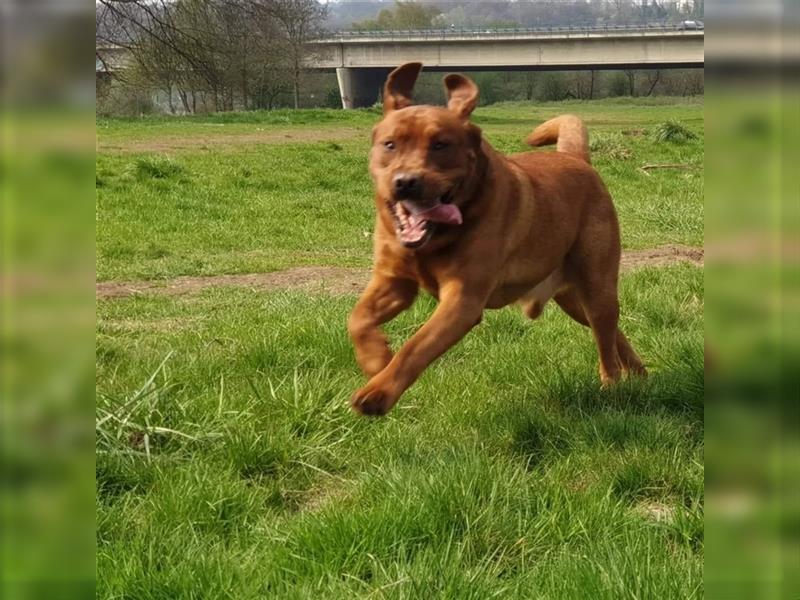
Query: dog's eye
x=389 y=145
x=439 y=145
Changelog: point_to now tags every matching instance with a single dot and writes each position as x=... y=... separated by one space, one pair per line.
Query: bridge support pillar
x=360 y=88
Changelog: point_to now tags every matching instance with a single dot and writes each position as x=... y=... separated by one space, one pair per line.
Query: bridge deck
x=606 y=48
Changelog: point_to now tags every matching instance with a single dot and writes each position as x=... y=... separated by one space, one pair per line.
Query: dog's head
x=422 y=156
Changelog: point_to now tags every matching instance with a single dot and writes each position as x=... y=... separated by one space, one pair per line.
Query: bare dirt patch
x=330 y=280
x=655 y=511
x=177 y=143
x=663 y=255
x=338 y=281
x=331 y=489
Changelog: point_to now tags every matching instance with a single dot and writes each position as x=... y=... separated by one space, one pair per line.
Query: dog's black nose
x=407 y=186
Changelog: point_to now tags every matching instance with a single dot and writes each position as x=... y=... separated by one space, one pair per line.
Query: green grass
x=236 y=467
x=246 y=206
x=230 y=466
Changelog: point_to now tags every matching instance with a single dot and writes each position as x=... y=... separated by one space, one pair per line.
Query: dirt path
x=194 y=142
x=663 y=255
x=342 y=280
x=330 y=280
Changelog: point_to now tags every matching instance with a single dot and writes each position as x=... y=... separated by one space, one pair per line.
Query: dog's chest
x=428 y=281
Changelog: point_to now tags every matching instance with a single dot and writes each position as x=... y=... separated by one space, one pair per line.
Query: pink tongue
x=448 y=214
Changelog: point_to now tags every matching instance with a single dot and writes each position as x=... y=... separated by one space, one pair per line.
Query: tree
x=619 y=85
x=270 y=77
x=692 y=82
x=530 y=83
x=554 y=87
x=653 y=77
x=404 y=16
x=164 y=37
x=631 y=75
x=584 y=84
x=410 y=15
x=233 y=53
x=300 y=21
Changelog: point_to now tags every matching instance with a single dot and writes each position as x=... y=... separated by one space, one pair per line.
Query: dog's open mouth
x=415 y=224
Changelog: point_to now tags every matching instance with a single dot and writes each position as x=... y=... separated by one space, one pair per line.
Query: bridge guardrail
x=444 y=33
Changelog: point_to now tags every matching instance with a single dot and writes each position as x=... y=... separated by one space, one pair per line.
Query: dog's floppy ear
x=397 y=91
x=462 y=94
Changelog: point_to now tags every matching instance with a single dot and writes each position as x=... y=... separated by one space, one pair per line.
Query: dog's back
x=570 y=193
x=566 y=174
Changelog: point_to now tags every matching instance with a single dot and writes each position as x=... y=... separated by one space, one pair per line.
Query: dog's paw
x=637 y=370
x=609 y=379
x=372 y=401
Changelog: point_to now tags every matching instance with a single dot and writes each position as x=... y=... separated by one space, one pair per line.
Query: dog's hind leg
x=602 y=311
x=382 y=300
x=569 y=303
x=628 y=357
x=629 y=361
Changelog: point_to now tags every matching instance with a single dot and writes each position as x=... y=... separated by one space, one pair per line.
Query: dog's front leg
x=456 y=314
x=382 y=300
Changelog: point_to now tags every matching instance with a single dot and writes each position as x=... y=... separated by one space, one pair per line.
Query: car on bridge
x=691 y=26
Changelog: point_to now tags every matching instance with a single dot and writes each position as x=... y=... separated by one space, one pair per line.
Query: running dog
x=477 y=230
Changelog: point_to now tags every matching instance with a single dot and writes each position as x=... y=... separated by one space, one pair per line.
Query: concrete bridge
x=362 y=60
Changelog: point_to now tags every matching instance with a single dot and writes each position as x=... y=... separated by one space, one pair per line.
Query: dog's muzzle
x=415 y=223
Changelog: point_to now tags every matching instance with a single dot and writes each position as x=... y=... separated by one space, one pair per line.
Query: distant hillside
x=522 y=13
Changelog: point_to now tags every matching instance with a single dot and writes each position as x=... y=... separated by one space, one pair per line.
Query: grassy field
x=261 y=191
x=229 y=464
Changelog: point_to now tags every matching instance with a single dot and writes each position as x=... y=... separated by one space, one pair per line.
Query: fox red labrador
x=477 y=230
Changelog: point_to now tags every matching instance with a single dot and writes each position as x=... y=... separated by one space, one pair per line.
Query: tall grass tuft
x=673 y=131
x=156 y=167
x=610 y=145
x=143 y=422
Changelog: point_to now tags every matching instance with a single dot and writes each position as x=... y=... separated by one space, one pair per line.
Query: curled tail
x=568 y=133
